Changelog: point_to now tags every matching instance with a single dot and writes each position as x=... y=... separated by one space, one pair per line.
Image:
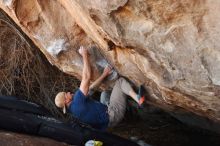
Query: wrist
x=104 y=74
x=85 y=55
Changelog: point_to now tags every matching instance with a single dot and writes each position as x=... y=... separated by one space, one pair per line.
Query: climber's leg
x=118 y=98
x=105 y=97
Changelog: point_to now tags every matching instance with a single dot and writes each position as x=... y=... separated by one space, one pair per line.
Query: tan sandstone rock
x=172 y=47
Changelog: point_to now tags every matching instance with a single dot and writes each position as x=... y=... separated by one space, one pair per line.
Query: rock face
x=172 y=47
x=15 y=139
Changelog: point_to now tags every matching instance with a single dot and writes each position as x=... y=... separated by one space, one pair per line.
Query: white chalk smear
x=7 y=2
x=56 y=46
x=169 y=47
x=40 y=39
x=103 y=63
x=78 y=63
x=37 y=36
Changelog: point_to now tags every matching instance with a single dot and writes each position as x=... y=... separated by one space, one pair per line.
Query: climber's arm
x=86 y=74
x=98 y=81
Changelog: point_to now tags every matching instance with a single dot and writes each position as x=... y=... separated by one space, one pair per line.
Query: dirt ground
x=160 y=129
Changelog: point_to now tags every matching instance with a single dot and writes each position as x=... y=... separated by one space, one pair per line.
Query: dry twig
x=25 y=72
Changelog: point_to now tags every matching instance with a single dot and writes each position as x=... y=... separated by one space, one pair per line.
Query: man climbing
x=97 y=114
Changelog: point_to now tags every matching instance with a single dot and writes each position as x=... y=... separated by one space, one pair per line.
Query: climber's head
x=62 y=99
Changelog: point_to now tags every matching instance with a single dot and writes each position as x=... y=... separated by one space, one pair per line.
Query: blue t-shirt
x=89 y=111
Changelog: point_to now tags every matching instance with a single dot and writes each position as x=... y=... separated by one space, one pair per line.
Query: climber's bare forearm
x=86 y=67
x=97 y=82
x=86 y=74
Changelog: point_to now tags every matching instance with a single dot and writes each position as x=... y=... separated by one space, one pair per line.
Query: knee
x=104 y=99
x=121 y=79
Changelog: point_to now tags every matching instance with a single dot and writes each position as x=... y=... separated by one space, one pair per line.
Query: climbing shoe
x=140 y=96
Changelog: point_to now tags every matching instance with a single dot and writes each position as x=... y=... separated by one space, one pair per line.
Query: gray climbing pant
x=116 y=101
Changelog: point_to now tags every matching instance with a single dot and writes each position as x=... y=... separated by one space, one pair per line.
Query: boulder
x=172 y=47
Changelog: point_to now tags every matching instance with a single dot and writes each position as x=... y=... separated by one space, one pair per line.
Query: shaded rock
x=196 y=121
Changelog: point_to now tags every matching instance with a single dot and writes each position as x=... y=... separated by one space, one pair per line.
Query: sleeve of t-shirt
x=79 y=97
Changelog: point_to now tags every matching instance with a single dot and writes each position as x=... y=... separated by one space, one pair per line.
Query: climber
x=98 y=115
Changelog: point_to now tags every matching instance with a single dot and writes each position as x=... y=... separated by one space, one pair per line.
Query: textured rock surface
x=15 y=139
x=173 y=47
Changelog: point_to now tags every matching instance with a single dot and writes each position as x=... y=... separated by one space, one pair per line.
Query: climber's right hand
x=83 y=51
x=107 y=71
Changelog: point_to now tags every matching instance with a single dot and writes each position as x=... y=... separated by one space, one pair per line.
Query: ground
x=160 y=129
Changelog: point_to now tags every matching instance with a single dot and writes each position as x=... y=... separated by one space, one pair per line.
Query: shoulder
x=79 y=93
x=79 y=97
